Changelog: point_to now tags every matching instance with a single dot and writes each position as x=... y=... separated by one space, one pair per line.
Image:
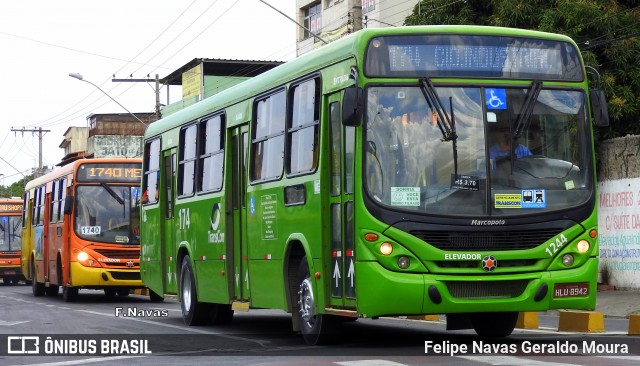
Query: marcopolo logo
x=215 y=236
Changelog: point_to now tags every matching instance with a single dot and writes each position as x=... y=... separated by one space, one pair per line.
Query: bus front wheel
x=494 y=324
x=315 y=328
x=69 y=294
x=193 y=312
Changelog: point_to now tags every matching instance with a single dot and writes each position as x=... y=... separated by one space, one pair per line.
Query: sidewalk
x=618 y=303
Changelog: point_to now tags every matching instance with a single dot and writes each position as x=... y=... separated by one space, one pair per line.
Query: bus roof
x=331 y=53
x=70 y=168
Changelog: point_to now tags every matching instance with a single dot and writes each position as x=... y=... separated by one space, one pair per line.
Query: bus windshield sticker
x=496 y=98
x=508 y=200
x=465 y=182
x=534 y=198
x=121 y=239
x=90 y=230
x=569 y=185
x=405 y=196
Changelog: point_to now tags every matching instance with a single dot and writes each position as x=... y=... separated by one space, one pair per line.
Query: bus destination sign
x=110 y=172
x=10 y=207
x=472 y=56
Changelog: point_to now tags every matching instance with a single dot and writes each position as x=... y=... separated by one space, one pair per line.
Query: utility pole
x=40 y=132
x=157 y=82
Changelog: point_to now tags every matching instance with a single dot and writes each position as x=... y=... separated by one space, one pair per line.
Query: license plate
x=571 y=290
x=9 y=272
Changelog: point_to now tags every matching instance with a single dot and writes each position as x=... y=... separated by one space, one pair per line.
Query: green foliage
x=16 y=189
x=607 y=32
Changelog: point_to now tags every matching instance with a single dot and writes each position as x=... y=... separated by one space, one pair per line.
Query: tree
x=606 y=31
x=16 y=189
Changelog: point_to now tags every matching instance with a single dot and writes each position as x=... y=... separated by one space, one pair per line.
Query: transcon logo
x=488 y=222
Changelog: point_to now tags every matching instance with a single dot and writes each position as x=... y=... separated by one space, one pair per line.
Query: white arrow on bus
x=336 y=273
x=350 y=273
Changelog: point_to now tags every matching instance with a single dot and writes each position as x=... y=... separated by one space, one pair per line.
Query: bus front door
x=168 y=248
x=236 y=250
x=341 y=157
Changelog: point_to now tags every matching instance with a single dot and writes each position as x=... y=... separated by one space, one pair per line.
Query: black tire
x=122 y=291
x=316 y=329
x=52 y=290
x=153 y=297
x=110 y=292
x=494 y=325
x=221 y=314
x=6 y=280
x=193 y=312
x=69 y=294
x=36 y=288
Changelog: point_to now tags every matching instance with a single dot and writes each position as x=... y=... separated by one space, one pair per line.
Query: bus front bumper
x=381 y=292
x=91 y=277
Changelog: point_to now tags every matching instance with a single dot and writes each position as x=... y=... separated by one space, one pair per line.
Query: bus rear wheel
x=494 y=325
x=316 y=328
x=52 y=290
x=36 y=288
x=153 y=297
x=193 y=312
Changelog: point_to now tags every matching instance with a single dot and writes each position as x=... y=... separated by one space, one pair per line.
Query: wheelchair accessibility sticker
x=496 y=98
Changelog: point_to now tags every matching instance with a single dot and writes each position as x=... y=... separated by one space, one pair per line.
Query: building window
x=267 y=152
x=302 y=134
x=312 y=19
x=211 y=154
x=368 y=5
x=187 y=163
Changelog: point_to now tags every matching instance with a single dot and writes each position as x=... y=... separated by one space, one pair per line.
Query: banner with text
x=619 y=232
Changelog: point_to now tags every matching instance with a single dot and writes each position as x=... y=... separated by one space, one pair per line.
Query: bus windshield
x=107 y=213
x=10 y=228
x=516 y=150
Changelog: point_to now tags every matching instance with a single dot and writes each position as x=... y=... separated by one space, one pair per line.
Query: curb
x=527 y=320
x=141 y=291
x=581 y=321
x=634 y=324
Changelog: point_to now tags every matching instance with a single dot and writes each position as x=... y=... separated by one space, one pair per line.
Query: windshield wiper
x=527 y=108
x=112 y=193
x=446 y=124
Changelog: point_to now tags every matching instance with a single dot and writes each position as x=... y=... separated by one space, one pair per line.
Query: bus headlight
x=567 y=260
x=583 y=246
x=82 y=256
x=386 y=248
x=404 y=262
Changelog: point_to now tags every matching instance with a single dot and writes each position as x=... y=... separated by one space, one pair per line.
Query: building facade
x=325 y=21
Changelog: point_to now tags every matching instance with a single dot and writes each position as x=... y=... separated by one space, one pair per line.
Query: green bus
x=397 y=171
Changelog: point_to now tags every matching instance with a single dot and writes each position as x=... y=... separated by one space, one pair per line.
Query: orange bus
x=10 y=224
x=81 y=228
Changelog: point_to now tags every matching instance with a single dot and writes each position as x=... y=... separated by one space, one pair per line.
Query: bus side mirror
x=599 y=108
x=352 y=106
x=68 y=205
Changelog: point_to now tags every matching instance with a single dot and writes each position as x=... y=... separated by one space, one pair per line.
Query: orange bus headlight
x=82 y=256
x=86 y=259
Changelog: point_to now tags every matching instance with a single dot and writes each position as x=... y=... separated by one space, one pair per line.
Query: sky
x=42 y=41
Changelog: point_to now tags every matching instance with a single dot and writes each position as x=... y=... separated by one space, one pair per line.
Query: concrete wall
x=619 y=212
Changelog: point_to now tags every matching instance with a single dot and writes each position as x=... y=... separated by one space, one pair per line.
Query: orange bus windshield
x=107 y=213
